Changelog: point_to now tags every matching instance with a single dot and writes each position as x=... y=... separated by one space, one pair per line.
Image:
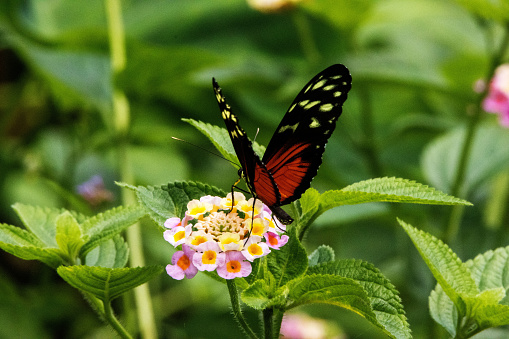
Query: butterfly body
x=294 y=154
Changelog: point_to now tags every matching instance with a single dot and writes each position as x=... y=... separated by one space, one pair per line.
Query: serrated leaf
x=221 y=140
x=321 y=255
x=332 y=290
x=112 y=253
x=171 y=200
x=289 y=262
x=384 y=298
x=107 y=283
x=386 y=190
x=27 y=246
x=442 y=310
x=454 y=276
x=440 y=158
x=41 y=221
x=218 y=136
x=260 y=296
x=108 y=224
x=309 y=203
x=489 y=308
x=69 y=236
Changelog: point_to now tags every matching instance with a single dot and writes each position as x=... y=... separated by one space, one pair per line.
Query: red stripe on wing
x=289 y=170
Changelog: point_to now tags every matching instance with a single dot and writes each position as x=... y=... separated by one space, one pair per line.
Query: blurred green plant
x=412 y=114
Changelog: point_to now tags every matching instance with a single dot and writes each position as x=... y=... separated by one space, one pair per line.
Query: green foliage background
x=413 y=64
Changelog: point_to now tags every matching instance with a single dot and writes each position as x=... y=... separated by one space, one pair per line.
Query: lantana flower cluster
x=222 y=234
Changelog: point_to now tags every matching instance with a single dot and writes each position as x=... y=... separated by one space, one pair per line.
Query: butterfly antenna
x=206 y=150
x=257 y=130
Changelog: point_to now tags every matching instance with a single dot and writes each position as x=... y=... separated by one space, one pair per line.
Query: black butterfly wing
x=252 y=167
x=295 y=151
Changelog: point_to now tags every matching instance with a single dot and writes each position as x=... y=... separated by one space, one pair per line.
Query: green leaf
x=171 y=200
x=25 y=245
x=332 y=290
x=108 y=224
x=309 y=203
x=260 y=296
x=384 y=298
x=489 y=308
x=41 y=221
x=289 y=262
x=218 y=136
x=453 y=275
x=321 y=255
x=221 y=140
x=112 y=253
x=107 y=283
x=440 y=158
x=69 y=236
x=442 y=310
x=386 y=189
x=488 y=9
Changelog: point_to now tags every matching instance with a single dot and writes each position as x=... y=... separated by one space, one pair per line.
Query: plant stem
x=113 y=321
x=237 y=311
x=121 y=122
x=268 y=314
x=306 y=37
x=456 y=190
x=104 y=310
x=368 y=142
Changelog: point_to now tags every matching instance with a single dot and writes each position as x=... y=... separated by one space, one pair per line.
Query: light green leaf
x=25 y=245
x=108 y=224
x=289 y=262
x=112 y=253
x=309 y=203
x=487 y=158
x=107 y=283
x=259 y=296
x=384 y=298
x=171 y=200
x=218 y=136
x=490 y=307
x=442 y=310
x=454 y=276
x=69 y=236
x=488 y=9
x=221 y=140
x=321 y=255
x=386 y=189
x=41 y=221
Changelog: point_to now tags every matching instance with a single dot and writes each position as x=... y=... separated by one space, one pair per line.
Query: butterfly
x=294 y=153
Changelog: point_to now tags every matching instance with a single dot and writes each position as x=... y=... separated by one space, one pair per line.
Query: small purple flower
x=94 y=191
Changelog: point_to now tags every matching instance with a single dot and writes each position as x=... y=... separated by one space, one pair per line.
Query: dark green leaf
x=289 y=262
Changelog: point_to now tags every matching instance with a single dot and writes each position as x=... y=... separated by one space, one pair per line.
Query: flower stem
x=456 y=190
x=237 y=311
x=268 y=323
x=121 y=122
x=104 y=310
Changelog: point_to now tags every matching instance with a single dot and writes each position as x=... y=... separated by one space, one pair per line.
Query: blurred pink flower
x=272 y=6
x=302 y=326
x=497 y=100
